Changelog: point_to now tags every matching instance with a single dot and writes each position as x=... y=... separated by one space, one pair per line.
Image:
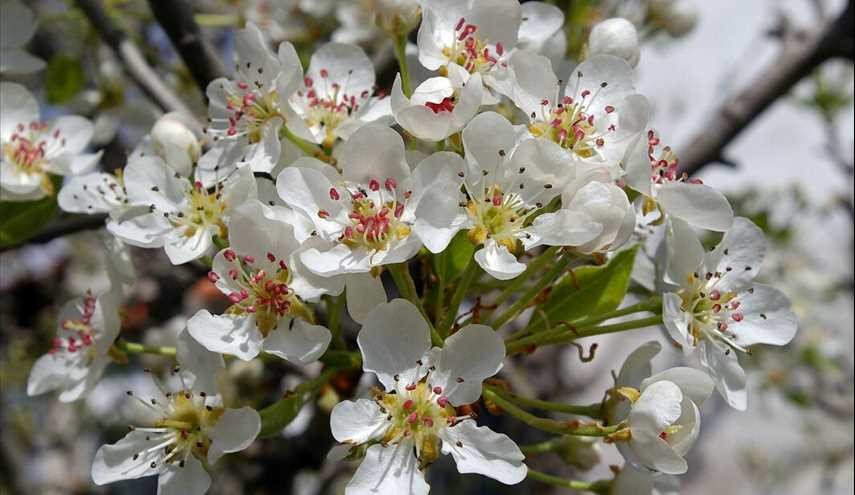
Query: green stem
x=543 y=447
x=570 y=335
x=306 y=147
x=407 y=287
x=653 y=305
x=525 y=300
x=135 y=348
x=401 y=56
x=278 y=415
x=533 y=267
x=558 y=427
x=587 y=486
x=342 y=359
x=460 y=291
x=592 y=410
x=335 y=308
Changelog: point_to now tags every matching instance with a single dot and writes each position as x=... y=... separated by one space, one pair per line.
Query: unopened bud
x=397 y=17
x=174 y=139
x=617 y=37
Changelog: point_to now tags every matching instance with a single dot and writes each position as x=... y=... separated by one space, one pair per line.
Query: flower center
x=262 y=293
x=418 y=412
x=571 y=125
x=78 y=335
x=664 y=168
x=498 y=216
x=250 y=110
x=201 y=209
x=711 y=311
x=374 y=220
x=182 y=429
x=471 y=52
x=328 y=105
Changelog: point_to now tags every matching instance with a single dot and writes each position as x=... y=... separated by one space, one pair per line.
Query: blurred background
x=789 y=168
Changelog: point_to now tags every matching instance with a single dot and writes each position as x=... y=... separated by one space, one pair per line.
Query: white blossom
x=715 y=307
x=17 y=27
x=615 y=36
x=414 y=420
x=31 y=150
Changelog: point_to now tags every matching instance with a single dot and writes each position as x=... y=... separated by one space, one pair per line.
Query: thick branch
x=176 y=18
x=801 y=52
x=132 y=59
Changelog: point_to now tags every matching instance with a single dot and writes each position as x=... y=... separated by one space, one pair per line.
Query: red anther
x=585 y=93
x=459 y=24
x=695 y=181
x=610 y=109
x=497 y=199
x=249 y=259
x=323 y=213
x=600 y=142
x=437 y=390
x=715 y=295
x=243 y=85
x=229 y=255
x=663 y=436
x=334 y=194
x=86 y=338
x=544 y=102
x=348 y=232
x=399 y=210
x=442 y=401
x=578 y=133
x=374 y=185
x=390 y=184
x=500 y=49
x=234 y=297
x=282 y=265
x=413 y=417
x=411 y=387
x=198 y=184
x=307 y=81
x=562 y=135
x=716 y=307
x=428 y=422
x=271 y=257
x=233 y=274
x=184 y=434
x=737 y=317
x=250 y=309
x=722 y=326
x=232 y=131
x=734 y=304
x=324 y=73
x=591 y=119
x=213 y=277
x=408 y=404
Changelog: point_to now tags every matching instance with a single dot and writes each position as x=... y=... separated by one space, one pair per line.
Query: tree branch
x=176 y=18
x=132 y=59
x=801 y=52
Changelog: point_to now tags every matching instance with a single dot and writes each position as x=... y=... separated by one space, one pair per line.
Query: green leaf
x=20 y=220
x=63 y=79
x=590 y=291
x=450 y=263
x=278 y=415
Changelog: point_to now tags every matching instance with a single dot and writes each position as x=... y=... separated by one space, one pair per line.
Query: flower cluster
x=308 y=186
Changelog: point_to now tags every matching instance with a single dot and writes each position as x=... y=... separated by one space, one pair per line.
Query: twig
x=176 y=18
x=132 y=59
x=801 y=52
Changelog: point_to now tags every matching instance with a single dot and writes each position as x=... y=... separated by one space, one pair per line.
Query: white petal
x=730 y=379
x=345 y=65
x=364 y=292
x=564 y=228
x=255 y=230
x=202 y=365
x=393 y=470
x=393 y=338
x=235 y=430
x=698 y=204
x=656 y=409
x=235 y=335
x=471 y=355
x=498 y=261
x=767 y=318
x=637 y=366
x=150 y=181
x=481 y=450
x=17 y=61
x=654 y=453
x=182 y=249
x=357 y=422
x=374 y=152
x=192 y=479
x=17 y=24
x=695 y=384
x=308 y=190
x=676 y=320
x=742 y=249
x=116 y=462
x=530 y=80
x=299 y=342
x=74 y=131
x=19 y=108
x=540 y=21
x=487 y=139
x=91 y=193
x=49 y=372
x=685 y=252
